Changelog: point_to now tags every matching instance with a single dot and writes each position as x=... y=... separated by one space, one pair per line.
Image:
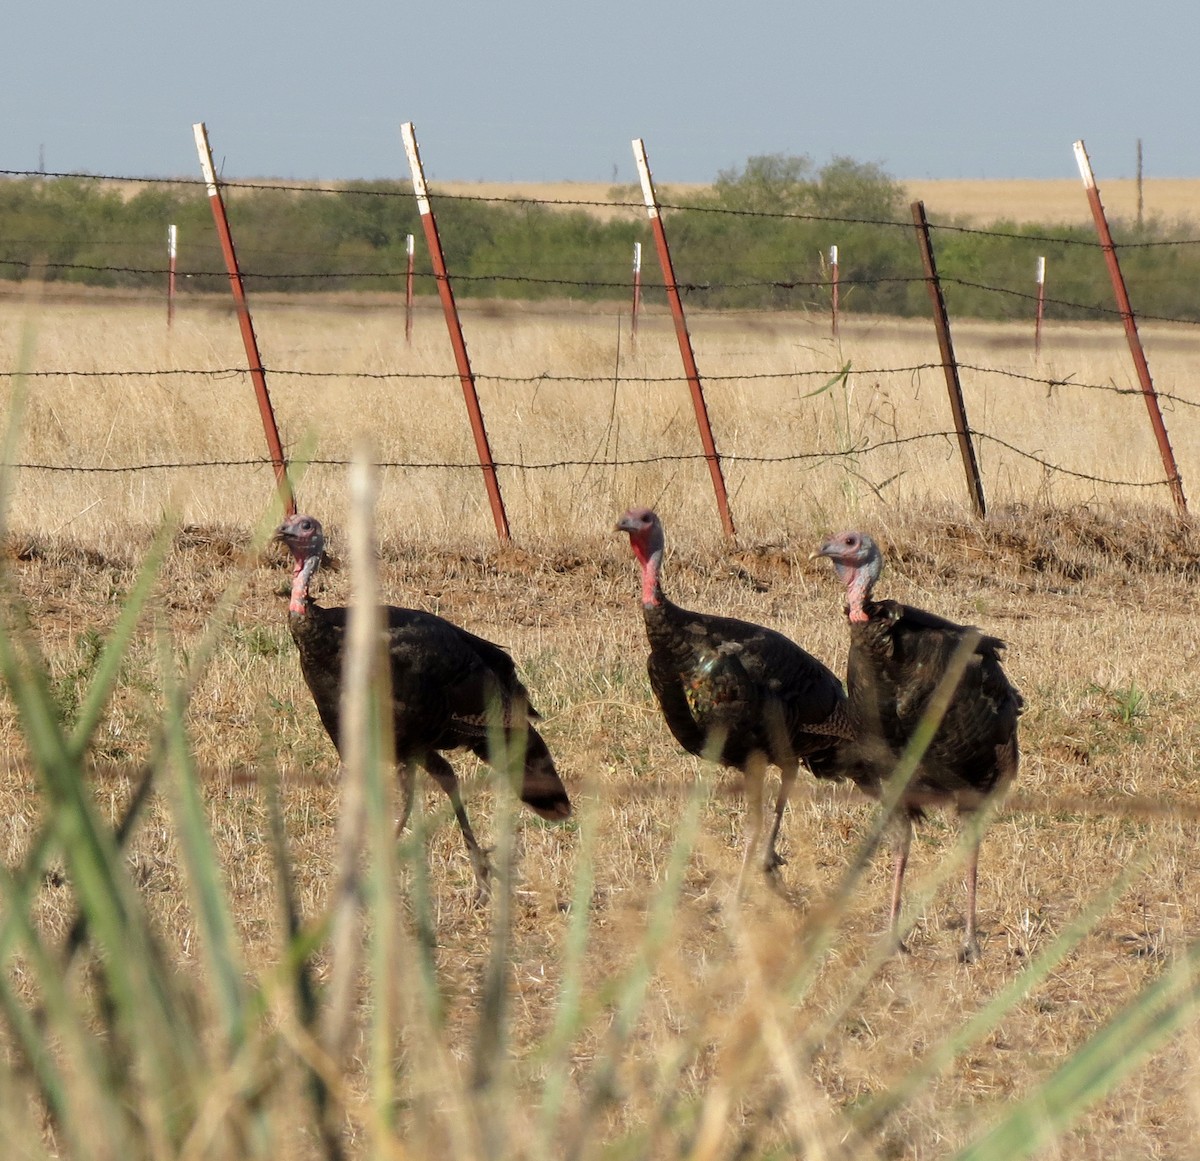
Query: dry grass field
x=1059 y=201
x=1092 y=585
x=585 y=420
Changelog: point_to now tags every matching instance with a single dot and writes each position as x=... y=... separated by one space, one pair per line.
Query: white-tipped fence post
x=637 y=292
x=258 y=374
x=1131 y=332
x=684 y=339
x=1041 y=305
x=410 y=247
x=466 y=376
x=833 y=286
x=171 y=238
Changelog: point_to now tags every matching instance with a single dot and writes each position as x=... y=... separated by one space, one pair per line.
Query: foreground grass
x=615 y=1000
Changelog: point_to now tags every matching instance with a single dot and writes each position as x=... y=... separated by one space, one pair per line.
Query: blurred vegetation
x=758 y=238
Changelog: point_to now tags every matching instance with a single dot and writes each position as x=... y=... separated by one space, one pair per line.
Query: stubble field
x=1051 y=201
x=1091 y=584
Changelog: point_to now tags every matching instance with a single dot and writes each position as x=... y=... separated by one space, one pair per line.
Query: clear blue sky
x=530 y=90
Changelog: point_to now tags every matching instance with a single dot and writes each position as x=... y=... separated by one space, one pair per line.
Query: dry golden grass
x=1050 y=201
x=1056 y=201
x=585 y=398
x=1094 y=592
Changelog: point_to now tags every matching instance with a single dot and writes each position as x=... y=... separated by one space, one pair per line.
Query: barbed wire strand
x=830 y=374
x=362 y=188
x=729 y=458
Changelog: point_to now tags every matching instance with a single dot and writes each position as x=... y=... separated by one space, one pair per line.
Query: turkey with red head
x=449 y=688
x=898 y=655
x=735 y=692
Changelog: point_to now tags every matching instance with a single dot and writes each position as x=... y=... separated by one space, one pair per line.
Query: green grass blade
x=1121 y=1046
x=569 y=1011
x=225 y=969
x=80 y=1104
x=142 y=999
x=630 y=992
x=872 y=1115
x=117 y=645
x=507 y=758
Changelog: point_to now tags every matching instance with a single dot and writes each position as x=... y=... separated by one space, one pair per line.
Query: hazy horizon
x=543 y=93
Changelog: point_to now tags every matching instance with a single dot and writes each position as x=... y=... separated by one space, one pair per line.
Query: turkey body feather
x=735 y=692
x=450 y=689
x=898 y=657
x=740 y=686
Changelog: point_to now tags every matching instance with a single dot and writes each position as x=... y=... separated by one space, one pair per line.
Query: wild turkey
x=445 y=684
x=735 y=692
x=898 y=654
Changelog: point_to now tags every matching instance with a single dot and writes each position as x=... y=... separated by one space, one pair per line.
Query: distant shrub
x=758 y=238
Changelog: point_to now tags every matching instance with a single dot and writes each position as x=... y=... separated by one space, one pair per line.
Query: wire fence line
x=424 y=278
x=724 y=291
x=695 y=291
x=635 y=205
x=859 y=448
x=1049 y=382
x=586 y=284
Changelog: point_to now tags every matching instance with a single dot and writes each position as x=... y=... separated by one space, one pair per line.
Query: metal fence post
x=172 y=237
x=454 y=326
x=681 y=333
x=1131 y=332
x=257 y=374
x=410 y=250
x=941 y=322
x=833 y=287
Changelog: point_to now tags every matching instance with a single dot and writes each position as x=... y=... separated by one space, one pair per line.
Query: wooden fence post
x=454 y=326
x=681 y=333
x=257 y=374
x=941 y=322
x=1131 y=332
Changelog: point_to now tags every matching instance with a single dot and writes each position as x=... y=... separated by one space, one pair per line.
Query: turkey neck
x=662 y=616
x=651 y=562
x=859 y=583
x=305 y=567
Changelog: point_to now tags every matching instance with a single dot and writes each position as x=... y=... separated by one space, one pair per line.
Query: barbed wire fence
x=696 y=292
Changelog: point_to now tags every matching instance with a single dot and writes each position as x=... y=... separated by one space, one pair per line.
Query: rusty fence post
x=257 y=374
x=454 y=326
x=681 y=333
x=941 y=322
x=1131 y=332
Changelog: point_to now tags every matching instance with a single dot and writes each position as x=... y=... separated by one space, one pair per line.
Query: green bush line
x=767 y=250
